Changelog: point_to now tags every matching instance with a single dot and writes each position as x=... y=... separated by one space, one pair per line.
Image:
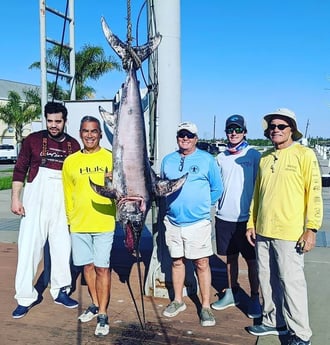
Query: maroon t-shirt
x=38 y=149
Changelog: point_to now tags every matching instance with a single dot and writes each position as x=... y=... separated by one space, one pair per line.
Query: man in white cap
x=188 y=218
x=285 y=214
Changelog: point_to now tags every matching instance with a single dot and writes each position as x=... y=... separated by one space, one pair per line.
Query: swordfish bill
x=134 y=184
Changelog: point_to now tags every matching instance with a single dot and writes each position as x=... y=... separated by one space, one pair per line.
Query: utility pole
x=214 y=121
x=307 y=125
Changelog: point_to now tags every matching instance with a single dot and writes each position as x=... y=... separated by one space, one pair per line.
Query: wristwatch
x=314 y=230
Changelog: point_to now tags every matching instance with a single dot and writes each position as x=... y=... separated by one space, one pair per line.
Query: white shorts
x=192 y=241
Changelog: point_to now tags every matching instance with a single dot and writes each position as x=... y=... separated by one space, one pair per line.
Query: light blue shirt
x=203 y=187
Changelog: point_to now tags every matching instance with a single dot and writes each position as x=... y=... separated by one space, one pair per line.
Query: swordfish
x=134 y=184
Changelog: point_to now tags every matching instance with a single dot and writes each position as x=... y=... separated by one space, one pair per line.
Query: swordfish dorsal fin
x=129 y=54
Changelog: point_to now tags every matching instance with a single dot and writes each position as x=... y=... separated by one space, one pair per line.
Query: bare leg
x=232 y=271
x=178 y=277
x=90 y=277
x=204 y=280
x=103 y=284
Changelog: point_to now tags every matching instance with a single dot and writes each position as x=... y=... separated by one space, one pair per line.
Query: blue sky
x=246 y=57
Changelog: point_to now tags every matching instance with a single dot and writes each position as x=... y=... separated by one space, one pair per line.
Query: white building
x=7 y=134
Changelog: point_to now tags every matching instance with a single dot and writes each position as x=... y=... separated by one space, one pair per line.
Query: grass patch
x=5 y=182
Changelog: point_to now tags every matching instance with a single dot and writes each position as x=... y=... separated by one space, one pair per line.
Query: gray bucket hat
x=296 y=134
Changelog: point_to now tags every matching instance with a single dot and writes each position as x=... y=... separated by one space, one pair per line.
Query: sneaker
x=207 y=317
x=174 y=308
x=102 y=327
x=21 y=310
x=254 y=308
x=227 y=300
x=89 y=314
x=260 y=330
x=294 y=340
x=64 y=299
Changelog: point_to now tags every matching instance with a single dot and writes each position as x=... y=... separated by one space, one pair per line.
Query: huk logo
x=93 y=170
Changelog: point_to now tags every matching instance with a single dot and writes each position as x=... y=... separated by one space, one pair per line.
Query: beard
x=60 y=135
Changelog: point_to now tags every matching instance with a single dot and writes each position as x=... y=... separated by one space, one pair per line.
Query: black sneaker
x=294 y=340
x=260 y=330
x=64 y=299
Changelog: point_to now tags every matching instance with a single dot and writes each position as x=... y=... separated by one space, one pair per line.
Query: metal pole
x=72 y=52
x=43 y=64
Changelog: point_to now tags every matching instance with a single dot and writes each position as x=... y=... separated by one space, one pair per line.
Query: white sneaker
x=102 y=327
x=89 y=314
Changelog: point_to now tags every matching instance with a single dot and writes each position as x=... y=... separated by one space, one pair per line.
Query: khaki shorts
x=192 y=241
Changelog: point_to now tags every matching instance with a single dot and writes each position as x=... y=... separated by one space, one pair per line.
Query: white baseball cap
x=188 y=126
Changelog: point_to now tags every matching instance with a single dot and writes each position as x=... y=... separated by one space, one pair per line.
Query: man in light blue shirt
x=188 y=218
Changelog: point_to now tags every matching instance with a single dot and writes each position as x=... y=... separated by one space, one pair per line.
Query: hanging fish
x=134 y=183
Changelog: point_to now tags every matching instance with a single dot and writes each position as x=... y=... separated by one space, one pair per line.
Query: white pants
x=43 y=201
x=283 y=285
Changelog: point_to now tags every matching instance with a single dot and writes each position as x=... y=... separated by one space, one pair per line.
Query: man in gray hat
x=285 y=214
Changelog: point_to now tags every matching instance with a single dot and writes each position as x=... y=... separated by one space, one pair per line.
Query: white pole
x=43 y=65
x=167 y=16
x=168 y=71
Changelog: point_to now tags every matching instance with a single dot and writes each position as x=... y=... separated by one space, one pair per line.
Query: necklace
x=272 y=167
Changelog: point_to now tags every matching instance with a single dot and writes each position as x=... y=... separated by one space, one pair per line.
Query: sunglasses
x=181 y=163
x=237 y=130
x=186 y=134
x=280 y=127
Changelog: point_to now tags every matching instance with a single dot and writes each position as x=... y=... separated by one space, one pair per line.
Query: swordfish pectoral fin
x=165 y=187
x=103 y=191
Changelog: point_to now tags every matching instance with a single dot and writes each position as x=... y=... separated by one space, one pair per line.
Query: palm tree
x=91 y=63
x=19 y=112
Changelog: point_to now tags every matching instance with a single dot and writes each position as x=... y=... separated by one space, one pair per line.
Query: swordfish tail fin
x=126 y=53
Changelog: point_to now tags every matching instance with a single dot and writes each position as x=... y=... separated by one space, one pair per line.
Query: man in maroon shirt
x=42 y=209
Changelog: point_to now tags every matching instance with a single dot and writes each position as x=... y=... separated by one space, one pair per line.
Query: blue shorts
x=231 y=239
x=92 y=248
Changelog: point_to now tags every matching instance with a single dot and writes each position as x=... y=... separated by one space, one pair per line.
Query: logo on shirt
x=91 y=170
x=194 y=169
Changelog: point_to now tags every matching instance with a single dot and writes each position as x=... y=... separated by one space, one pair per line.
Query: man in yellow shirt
x=285 y=214
x=91 y=218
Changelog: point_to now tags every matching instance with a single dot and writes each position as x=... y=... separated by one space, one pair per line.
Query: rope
x=129 y=24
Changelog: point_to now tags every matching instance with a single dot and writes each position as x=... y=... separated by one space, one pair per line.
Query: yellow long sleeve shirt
x=288 y=194
x=86 y=210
